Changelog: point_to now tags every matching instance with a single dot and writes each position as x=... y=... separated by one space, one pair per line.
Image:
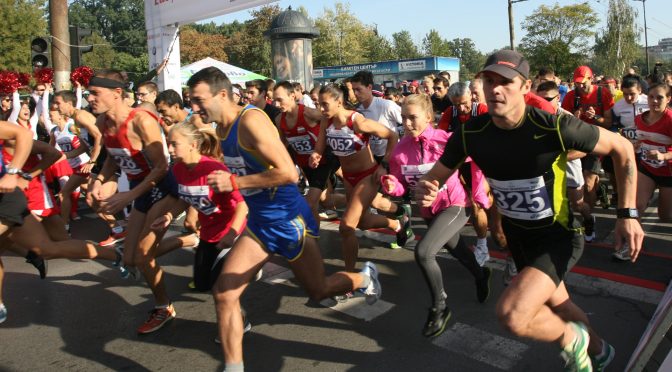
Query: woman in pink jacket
x=413 y=156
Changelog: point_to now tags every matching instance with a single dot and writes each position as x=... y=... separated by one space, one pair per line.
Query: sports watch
x=627 y=213
x=19 y=172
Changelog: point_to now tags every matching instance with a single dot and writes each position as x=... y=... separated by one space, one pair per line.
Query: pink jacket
x=408 y=163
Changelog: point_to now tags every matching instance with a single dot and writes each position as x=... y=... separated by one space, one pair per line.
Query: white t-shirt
x=385 y=112
x=307 y=101
x=625 y=113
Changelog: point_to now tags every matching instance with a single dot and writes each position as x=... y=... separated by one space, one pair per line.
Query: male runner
x=135 y=144
x=523 y=152
x=279 y=219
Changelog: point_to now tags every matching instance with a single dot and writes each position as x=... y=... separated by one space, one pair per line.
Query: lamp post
x=511 y=36
x=646 y=38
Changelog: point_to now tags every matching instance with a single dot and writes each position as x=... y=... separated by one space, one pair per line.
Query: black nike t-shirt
x=525 y=166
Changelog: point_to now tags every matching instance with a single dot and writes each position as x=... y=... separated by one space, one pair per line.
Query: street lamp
x=511 y=37
x=646 y=37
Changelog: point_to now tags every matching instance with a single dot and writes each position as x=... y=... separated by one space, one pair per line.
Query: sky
x=484 y=21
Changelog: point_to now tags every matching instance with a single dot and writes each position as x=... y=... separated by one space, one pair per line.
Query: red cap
x=582 y=73
x=414 y=83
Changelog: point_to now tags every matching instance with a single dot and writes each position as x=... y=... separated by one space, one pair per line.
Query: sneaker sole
x=112 y=243
x=443 y=327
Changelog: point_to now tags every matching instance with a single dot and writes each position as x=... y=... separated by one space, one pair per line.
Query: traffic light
x=40 y=53
x=77 y=34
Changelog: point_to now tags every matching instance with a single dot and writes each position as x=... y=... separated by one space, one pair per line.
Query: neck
x=341 y=117
x=511 y=120
x=195 y=159
x=368 y=102
x=118 y=113
x=229 y=114
x=654 y=116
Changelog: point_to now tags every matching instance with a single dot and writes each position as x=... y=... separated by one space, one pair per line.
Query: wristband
x=234 y=185
x=627 y=213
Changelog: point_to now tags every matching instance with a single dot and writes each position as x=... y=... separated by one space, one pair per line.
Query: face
x=504 y=96
x=391 y=97
x=476 y=88
x=24 y=114
x=144 y=95
x=412 y=89
x=179 y=146
x=552 y=96
x=168 y=113
x=40 y=88
x=584 y=88
x=206 y=105
x=185 y=98
x=54 y=115
x=255 y=97
x=6 y=102
x=463 y=104
x=545 y=78
x=658 y=99
x=103 y=100
x=284 y=100
x=63 y=107
x=362 y=92
x=631 y=94
x=329 y=106
x=315 y=96
x=414 y=119
x=440 y=90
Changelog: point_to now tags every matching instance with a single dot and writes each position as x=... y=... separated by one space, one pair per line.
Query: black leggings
x=444 y=230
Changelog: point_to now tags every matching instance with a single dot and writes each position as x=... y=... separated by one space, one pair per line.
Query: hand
x=590 y=113
x=22 y=183
x=314 y=160
x=77 y=84
x=655 y=155
x=388 y=182
x=380 y=171
x=220 y=181
x=116 y=202
x=8 y=183
x=86 y=168
x=426 y=191
x=227 y=240
x=629 y=231
x=161 y=223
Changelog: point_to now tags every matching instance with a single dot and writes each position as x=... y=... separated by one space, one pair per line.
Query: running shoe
x=157 y=319
x=129 y=272
x=483 y=285
x=344 y=297
x=374 y=290
x=113 y=238
x=601 y=361
x=39 y=263
x=589 y=226
x=603 y=195
x=481 y=253
x=247 y=326
x=119 y=252
x=510 y=271
x=436 y=322
x=575 y=354
x=328 y=214
x=3 y=313
x=404 y=234
x=622 y=254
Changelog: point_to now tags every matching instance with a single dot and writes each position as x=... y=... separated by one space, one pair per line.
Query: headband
x=97 y=81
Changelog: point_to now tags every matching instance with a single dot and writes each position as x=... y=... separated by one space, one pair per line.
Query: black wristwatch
x=385 y=164
x=627 y=213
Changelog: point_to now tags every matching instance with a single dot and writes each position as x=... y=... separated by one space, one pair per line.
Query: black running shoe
x=589 y=226
x=39 y=263
x=405 y=234
x=483 y=285
x=436 y=322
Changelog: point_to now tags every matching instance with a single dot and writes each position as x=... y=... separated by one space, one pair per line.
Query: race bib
x=301 y=144
x=340 y=143
x=522 y=199
x=124 y=160
x=645 y=148
x=198 y=197
x=629 y=133
x=236 y=165
x=413 y=173
x=66 y=146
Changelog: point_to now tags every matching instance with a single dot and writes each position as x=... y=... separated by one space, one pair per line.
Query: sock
x=482 y=242
x=440 y=303
x=234 y=367
x=366 y=280
x=165 y=307
x=117 y=229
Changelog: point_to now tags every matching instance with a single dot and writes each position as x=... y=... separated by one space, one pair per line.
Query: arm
x=16 y=108
x=238 y=221
x=312 y=115
x=88 y=121
x=363 y=125
x=78 y=94
x=48 y=156
x=147 y=128
x=48 y=125
x=394 y=183
x=23 y=140
x=162 y=222
x=320 y=145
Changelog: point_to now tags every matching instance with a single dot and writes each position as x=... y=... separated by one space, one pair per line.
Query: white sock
x=482 y=242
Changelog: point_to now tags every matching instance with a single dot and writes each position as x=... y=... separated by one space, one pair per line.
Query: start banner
x=176 y=12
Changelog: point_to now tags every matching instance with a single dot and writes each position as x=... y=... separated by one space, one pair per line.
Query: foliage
x=471 y=59
x=22 y=20
x=403 y=45
x=559 y=36
x=616 y=46
x=248 y=47
x=343 y=38
x=434 y=45
x=195 y=45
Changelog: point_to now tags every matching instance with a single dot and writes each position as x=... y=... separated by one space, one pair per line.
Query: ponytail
x=206 y=139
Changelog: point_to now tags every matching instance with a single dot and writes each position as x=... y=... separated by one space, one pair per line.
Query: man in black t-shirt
x=523 y=153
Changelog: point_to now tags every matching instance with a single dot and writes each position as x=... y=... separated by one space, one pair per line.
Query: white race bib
x=301 y=144
x=124 y=160
x=522 y=199
x=413 y=173
x=198 y=197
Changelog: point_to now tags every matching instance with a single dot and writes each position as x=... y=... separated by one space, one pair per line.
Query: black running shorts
x=13 y=208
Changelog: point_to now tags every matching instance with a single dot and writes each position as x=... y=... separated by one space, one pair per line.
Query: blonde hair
x=206 y=139
x=423 y=101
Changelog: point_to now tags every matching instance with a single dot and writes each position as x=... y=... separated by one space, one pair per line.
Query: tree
x=377 y=47
x=616 y=46
x=434 y=45
x=403 y=45
x=22 y=21
x=471 y=59
x=559 y=36
x=248 y=47
x=195 y=45
x=343 y=38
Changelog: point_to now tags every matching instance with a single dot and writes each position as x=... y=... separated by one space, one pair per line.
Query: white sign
x=164 y=42
x=176 y=12
x=418 y=65
x=318 y=73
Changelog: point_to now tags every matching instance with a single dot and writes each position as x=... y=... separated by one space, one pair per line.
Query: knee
x=224 y=298
x=511 y=320
x=142 y=260
x=422 y=253
x=346 y=229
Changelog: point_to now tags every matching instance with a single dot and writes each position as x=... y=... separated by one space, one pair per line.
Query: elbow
x=292 y=176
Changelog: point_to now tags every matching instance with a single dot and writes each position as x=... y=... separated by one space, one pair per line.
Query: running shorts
x=167 y=186
x=13 y=207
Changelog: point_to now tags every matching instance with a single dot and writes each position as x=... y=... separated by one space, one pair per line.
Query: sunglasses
x=549 y=99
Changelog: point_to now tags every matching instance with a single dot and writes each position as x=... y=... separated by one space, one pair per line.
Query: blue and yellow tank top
x=273 y=204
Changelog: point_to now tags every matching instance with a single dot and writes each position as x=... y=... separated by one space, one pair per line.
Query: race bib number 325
x=522 y=199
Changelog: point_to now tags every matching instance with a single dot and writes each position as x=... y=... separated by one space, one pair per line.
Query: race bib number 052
x=522 y=199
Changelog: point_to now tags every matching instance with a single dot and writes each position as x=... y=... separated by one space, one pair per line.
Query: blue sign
x=389 y=67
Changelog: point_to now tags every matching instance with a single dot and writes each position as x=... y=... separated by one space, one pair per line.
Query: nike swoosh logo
x=536 y=137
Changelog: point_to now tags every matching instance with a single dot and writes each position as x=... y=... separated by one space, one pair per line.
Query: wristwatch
x=20 y=173
x=627 y=213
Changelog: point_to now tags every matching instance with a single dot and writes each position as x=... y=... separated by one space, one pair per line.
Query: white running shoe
x=374 y=290
x=622 y=254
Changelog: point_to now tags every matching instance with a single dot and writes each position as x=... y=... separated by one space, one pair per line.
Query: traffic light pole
x=60 y=48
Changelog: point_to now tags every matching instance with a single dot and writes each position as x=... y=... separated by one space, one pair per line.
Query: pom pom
x=81 y=75
x=9 y=82
x=44 y=75
x=24 y=78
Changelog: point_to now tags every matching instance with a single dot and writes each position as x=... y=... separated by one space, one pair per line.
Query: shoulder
x=542 y=117
x=474 y=124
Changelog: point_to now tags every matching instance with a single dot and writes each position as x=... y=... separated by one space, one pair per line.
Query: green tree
x=102 y=53
x=434 y=45
x=22 y=20
x=559 y=36
x=343 y=38
x=248 y=47
x=195 y=46
x=403 y=44
x=471 y=59
x=616 y=46
x=377 y=47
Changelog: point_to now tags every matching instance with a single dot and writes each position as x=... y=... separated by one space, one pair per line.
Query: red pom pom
x=24 y=78
x=9 y=82
x=81 y=75
x=44 y=75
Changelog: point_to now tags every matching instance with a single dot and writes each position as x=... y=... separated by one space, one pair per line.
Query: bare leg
x=313 y=199
x=563 y=306
x=191 y=220
x=66 y=192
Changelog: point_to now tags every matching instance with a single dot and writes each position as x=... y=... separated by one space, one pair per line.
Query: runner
x=411 y=159
x=279 y=219
x=521 y=149
x=347 y=134
x=135 y=145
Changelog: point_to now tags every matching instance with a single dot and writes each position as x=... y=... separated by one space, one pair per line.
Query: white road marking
x=358 y=308
x=486 y=347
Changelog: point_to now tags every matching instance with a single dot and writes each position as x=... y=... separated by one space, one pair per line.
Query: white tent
x=237 y=75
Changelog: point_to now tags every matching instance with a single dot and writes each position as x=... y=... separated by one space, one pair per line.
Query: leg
x=562 y=305
x=176 y=242
x=645 y=188
x=665 y=204
x=384 y=204
x=313 y=200
x=241 y=264
x=191 y=220
x=590 y=195
x=55 y=227
x=66 y=192
x=577 y=203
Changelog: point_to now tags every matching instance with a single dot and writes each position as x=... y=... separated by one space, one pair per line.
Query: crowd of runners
x=255 y=168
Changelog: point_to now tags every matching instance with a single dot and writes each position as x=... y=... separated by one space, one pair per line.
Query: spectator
x=302 y=97
x=393 y=94
x=476 y=88
x=428 y=84
x=256 y=94
x=440 y=99
x=548 y=74
x=611 y=84
x=147 y=92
